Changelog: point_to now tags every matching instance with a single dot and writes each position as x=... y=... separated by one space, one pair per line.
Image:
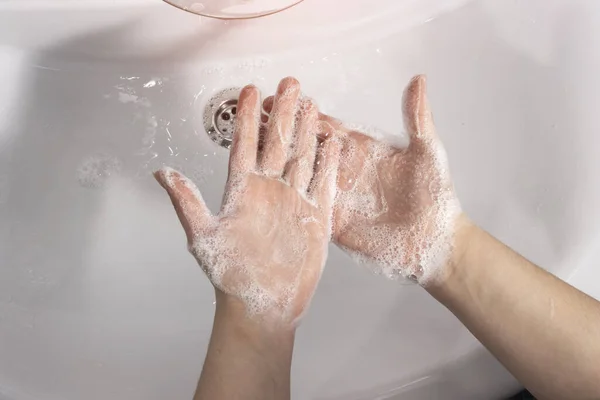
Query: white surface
x=98 y=297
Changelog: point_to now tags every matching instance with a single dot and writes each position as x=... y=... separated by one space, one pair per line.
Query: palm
x=396 y=206
x=279 y=239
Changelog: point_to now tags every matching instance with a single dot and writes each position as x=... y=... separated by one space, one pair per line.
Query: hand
x=268 y=245
x=396 y=207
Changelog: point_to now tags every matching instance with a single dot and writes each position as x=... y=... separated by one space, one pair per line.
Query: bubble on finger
x=276 y=118
x=300 y=165
x=241 y=130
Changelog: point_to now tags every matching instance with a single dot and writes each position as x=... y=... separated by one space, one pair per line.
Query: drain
x=220 y=114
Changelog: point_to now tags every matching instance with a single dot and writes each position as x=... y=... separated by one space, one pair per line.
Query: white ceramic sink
x=99 y=298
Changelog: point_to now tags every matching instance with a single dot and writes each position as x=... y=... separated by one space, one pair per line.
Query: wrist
x=464 y=239
x=260 y=329
x=256 y=357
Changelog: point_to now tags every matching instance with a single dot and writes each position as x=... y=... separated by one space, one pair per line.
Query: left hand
x=268 y=244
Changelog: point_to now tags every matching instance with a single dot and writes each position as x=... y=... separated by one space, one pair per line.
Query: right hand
x=396 y=207
x=268 y=245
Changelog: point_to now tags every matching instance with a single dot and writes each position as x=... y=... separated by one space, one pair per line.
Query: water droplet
x=95 y=170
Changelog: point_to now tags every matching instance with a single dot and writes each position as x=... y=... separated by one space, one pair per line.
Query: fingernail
x=159 y=178
x=289 y=81
x=164 y=177
x=422 y=105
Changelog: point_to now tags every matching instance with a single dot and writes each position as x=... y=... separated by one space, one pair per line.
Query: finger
x=334 y=122
x=337 y=126
x=299 y=170
x=323 y=186
x=242 y=158
x=193 y=214
x=326 y=129
x=278 y=137
x=417 y=114
x=268 y=104
x=267 y=107
x=323 y=118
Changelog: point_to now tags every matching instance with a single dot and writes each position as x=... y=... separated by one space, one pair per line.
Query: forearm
x=544 y=331
x=247 y=358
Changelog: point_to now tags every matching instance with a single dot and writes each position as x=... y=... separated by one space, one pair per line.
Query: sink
x=98 y=296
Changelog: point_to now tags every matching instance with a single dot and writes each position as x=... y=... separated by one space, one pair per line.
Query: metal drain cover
x=219 y=116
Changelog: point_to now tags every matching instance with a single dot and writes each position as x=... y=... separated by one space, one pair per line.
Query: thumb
x=418 y=119
x=193 y=214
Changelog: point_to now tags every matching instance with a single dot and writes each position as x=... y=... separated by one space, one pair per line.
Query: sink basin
x=98 y=296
